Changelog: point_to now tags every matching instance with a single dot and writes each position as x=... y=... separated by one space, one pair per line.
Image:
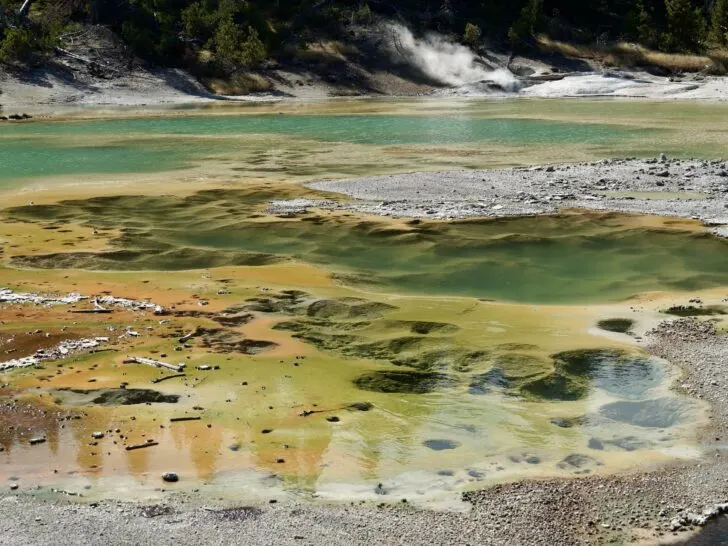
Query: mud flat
x=668 y=187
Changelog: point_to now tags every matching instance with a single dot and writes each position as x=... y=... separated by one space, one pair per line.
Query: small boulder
x=170 y=477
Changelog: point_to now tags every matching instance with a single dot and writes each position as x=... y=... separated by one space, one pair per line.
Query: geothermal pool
x=328 y=353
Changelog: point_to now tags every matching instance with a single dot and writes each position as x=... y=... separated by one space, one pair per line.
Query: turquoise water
x=358 y=129
x=24 y=159
x=159 y=144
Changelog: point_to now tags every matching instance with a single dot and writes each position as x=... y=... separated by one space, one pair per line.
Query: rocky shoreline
x=686 y=188
x=654 y=506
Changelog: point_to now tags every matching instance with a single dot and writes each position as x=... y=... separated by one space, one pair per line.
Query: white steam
x=446 y=62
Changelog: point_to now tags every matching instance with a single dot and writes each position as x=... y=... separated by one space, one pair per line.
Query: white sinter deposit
x=682 y=188
x=10 y=296
x=62 y=350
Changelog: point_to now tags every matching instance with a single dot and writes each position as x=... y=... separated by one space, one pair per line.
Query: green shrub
x=17 y=45
x=472 y=35
x=719 y=23
x=228 y=40
x=525 y=26
x=363 y=15
x=685 y=26
x=253 y=50
x=234 y=47
x=198 y=22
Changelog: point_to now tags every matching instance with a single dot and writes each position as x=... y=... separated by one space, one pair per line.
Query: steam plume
x=446 y=62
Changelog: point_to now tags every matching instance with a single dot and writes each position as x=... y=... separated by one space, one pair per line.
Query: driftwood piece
x=155 y=363
x=160 y=379
x=67 y=53
x=142 y=446
x=187 y=337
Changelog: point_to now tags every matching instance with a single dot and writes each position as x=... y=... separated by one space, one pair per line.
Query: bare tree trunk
x=25 y=7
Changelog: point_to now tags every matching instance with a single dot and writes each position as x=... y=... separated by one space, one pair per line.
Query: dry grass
x=627 y=55
x=239 y=84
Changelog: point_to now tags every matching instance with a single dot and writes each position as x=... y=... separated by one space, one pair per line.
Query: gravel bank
x=655 y=505
x=669 y=187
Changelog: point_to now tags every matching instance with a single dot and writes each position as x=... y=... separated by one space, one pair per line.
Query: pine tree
x=253 y=50
x=525 y=26
x=719 y=23
x=644 y=26
x=685 y=26
x=228 y=41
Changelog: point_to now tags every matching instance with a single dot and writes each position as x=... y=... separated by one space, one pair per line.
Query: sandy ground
x=48 y=91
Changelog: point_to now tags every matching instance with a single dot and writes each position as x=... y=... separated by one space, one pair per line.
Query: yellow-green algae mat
x=346 y=357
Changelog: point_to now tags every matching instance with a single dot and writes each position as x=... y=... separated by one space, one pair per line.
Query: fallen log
x=181 y=419
x=160 y=379
x=189 y=336
x=142 y=446
x=155 y=363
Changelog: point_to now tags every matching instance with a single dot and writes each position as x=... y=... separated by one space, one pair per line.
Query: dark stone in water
x=577 y=460
x=568 y=423
x=595 y=443
x=170 y=477
x=630 y=443
x=556 y=387
x=692 y=311
x=425 y=328
x=403 y=382
x=619 y=325
x=584 y=362
x=659 y=413
x=441 y=445
x=361 y=406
